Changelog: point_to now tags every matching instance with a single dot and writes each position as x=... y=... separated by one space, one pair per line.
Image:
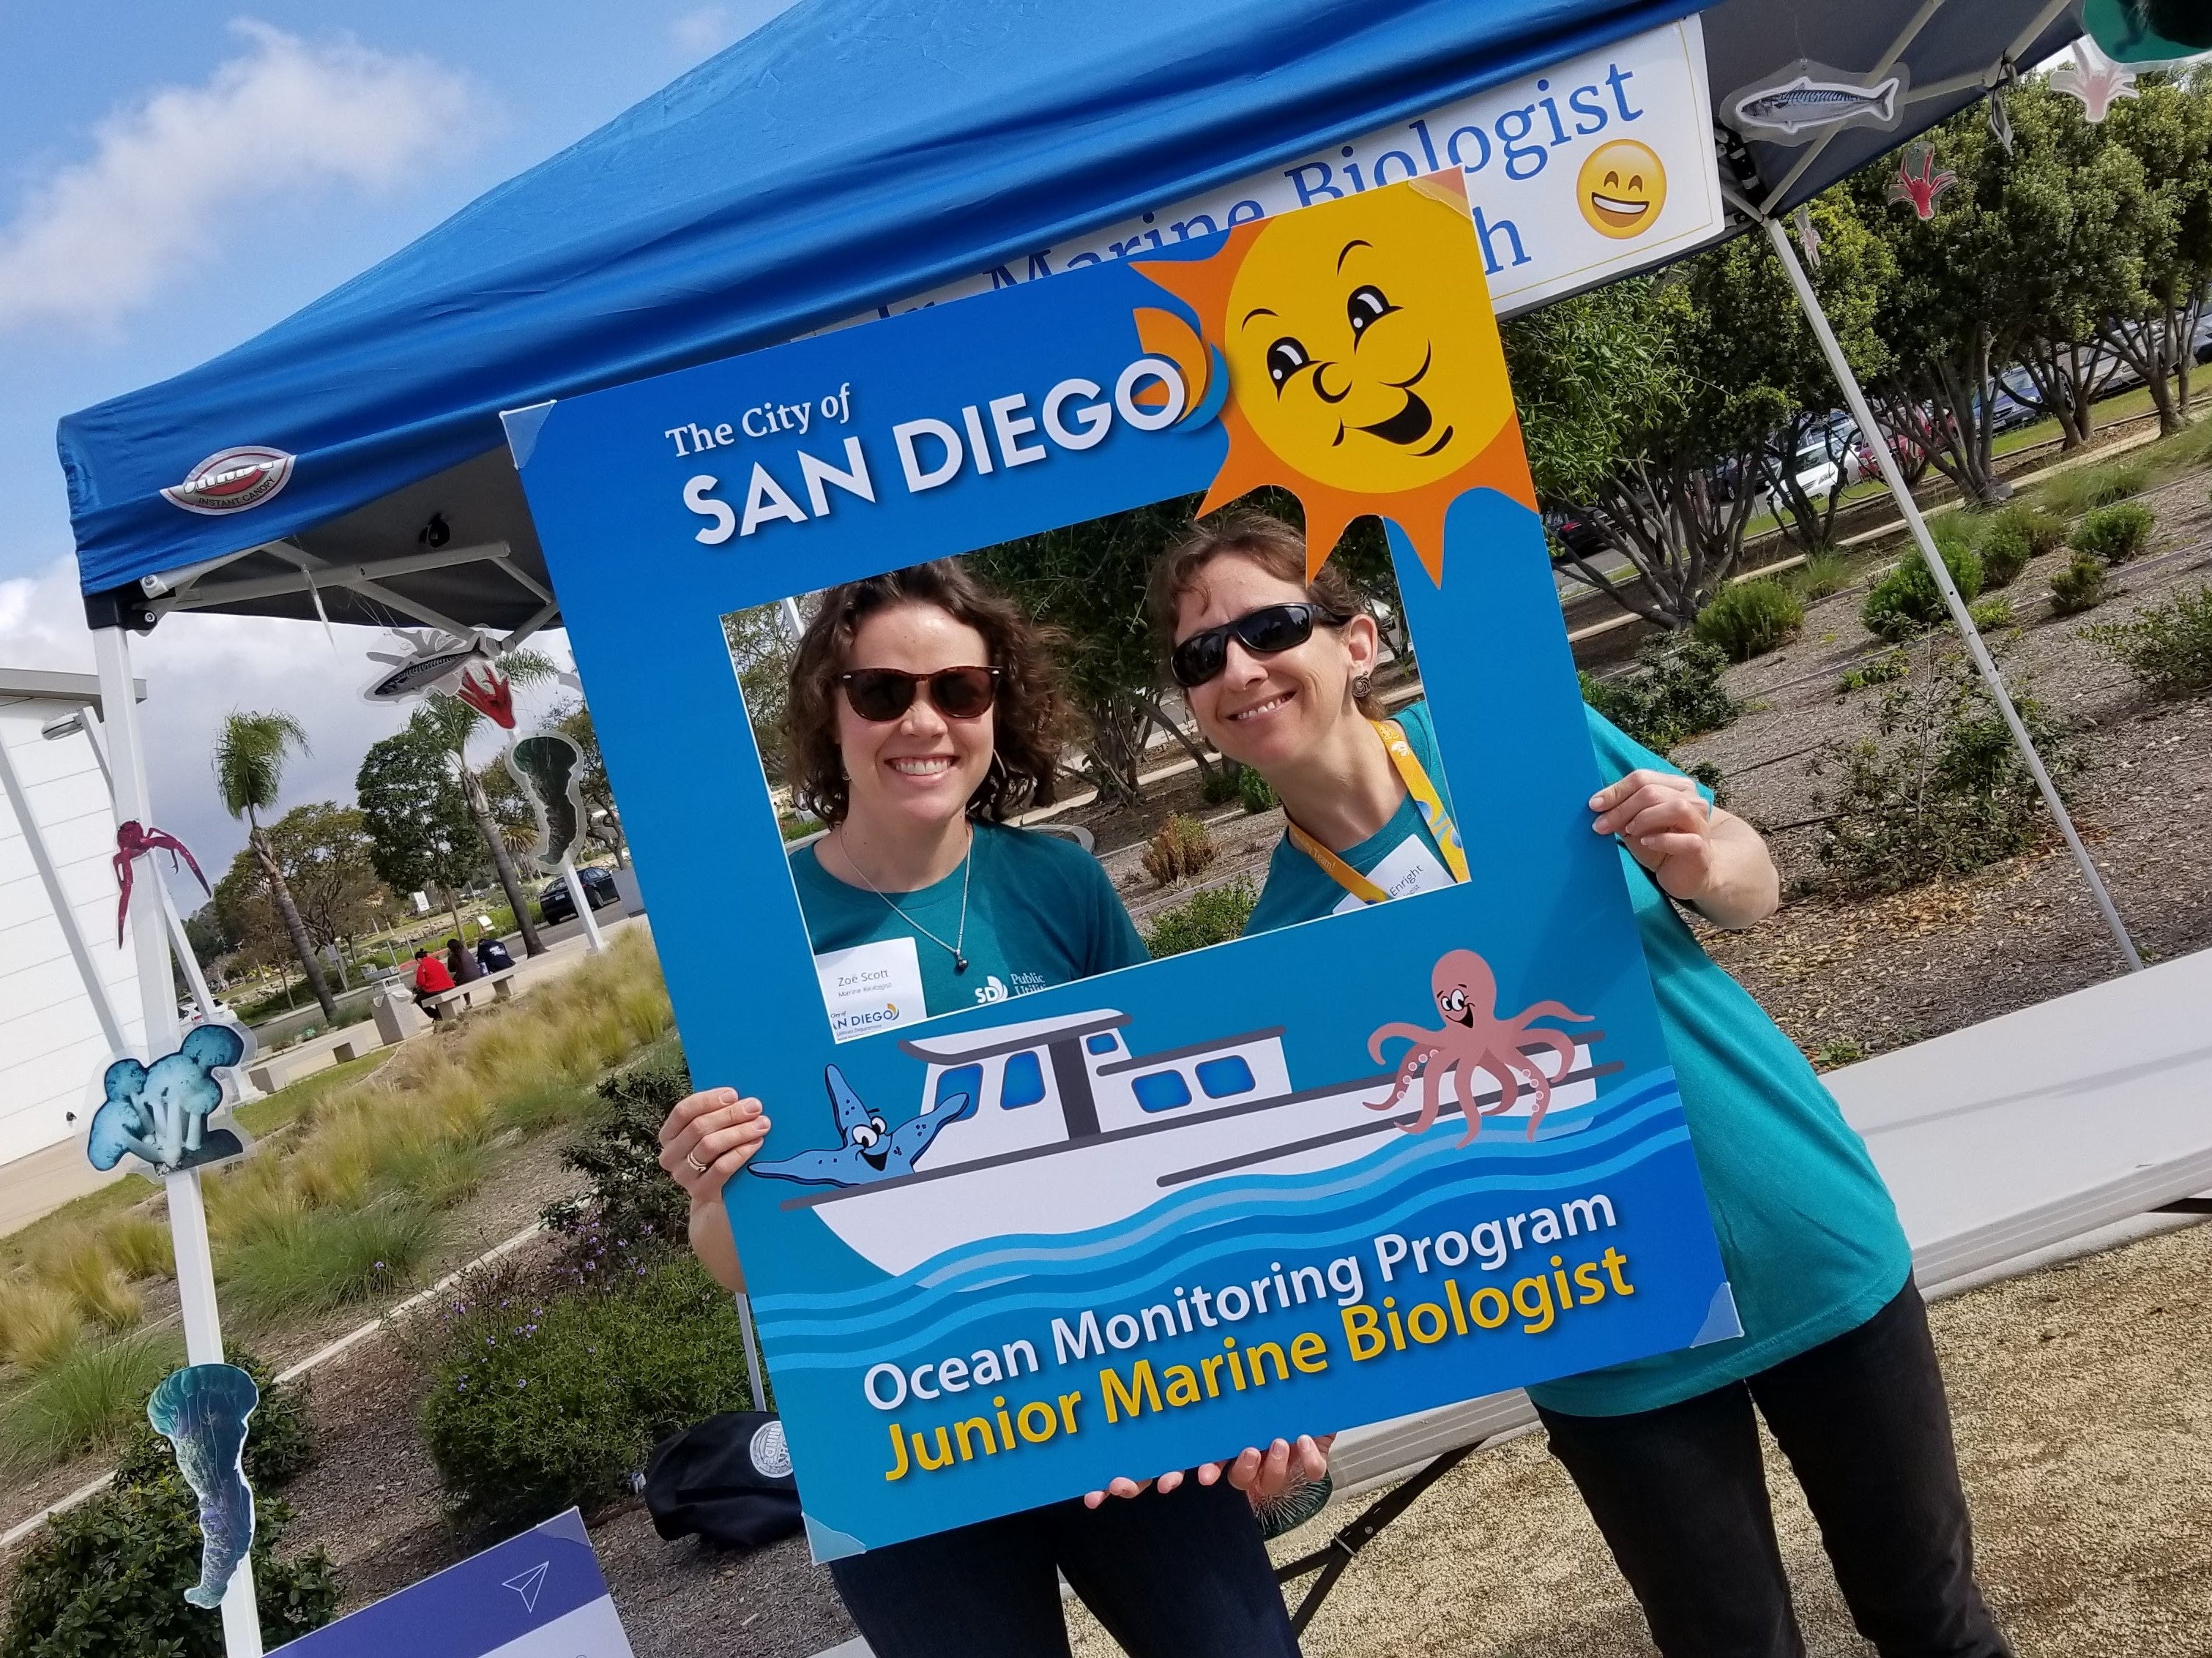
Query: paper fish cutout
x=1808 y=99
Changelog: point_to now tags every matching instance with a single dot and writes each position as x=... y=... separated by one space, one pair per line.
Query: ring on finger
x=691 y=1161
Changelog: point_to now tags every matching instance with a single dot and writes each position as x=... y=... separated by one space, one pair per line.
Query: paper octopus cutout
x=1474 y=1038
x=1919 y=181
x=133 y=841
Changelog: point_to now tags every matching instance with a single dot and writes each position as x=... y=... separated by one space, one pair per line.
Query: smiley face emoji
x=1348 y=339
x=1622 y=188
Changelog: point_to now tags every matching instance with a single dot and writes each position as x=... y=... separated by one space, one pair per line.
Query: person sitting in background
x=430 y=978
x=463 y=966
x=491 y=955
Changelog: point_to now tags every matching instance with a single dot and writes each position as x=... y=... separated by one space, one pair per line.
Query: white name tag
x=1411 y=868
x=871 y=988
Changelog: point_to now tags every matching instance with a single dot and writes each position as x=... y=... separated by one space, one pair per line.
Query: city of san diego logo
x=232 y=480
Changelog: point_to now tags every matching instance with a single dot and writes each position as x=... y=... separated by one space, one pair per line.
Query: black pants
x=1681 y=1499
x=1184 y=1576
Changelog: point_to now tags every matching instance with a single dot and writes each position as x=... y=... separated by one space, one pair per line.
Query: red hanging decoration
x=1920 y=180
x=133 y=842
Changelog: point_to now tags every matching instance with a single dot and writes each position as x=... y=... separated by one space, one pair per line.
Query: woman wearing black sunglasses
x=922 y=713
x=1835 y=1353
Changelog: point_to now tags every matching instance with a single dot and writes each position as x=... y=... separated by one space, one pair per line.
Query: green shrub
x=1892 y=665
x=314 y=1260
x=1749 y=618
x=1705 y=772
x=2080 y=587
x=1211 y=917
x=1218 y=787
x=276 y=1441
x=1180 y=846
x=628 y=1207
x=2168 y=645
x=1992 y=615
x=2117 y=533
x=1938 y=789
x=85 y=1401
x=1906 y=601
x=2016 y=535
x=1822 y=573
x=1671 y=693
x=109 y=1576
x=1254 y=793
x=2072 y=494
x=1842 y=1051
x=538 y=1401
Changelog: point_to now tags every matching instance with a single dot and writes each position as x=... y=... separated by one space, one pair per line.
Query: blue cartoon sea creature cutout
x=201 y=1410
x=159 y=1112
x=867 y=1150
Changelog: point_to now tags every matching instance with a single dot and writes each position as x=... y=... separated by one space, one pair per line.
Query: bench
x=500 y=984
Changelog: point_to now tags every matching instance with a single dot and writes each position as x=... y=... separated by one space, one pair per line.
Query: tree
x=249 y=770
x=421 y=834
x=324 y=854
x=2165 y=130
x=761 y=648
x=449 y=723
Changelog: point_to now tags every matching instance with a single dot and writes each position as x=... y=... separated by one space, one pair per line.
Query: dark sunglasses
x=882 y=695
x=1265 y=632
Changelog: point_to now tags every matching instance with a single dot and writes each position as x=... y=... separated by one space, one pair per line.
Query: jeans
x=1183 y=1576
x=1680 y=1496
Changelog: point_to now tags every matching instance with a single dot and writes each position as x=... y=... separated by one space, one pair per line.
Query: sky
x=174 y=178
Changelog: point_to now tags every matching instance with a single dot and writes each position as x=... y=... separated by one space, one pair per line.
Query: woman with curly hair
x=923 y=713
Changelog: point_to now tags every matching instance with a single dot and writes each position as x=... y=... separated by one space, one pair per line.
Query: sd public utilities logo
x=232 y=480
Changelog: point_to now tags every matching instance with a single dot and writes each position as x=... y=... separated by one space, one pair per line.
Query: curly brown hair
x=1031 y=720
x=1265 y=540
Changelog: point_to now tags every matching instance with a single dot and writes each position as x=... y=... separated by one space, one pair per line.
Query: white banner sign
x=1601 y=166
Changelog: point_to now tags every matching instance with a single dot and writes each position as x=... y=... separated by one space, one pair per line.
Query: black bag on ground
x=727 y=1479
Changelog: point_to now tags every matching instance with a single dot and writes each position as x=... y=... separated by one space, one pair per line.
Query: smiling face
x=1622 y=188
x=914 y=775
x=1265 y=711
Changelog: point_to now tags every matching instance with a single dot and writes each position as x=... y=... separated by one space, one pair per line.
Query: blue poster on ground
x=1398 y=1156
x=538 y=1595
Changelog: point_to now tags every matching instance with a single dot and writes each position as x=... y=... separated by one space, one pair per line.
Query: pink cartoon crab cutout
x=1474 y=1038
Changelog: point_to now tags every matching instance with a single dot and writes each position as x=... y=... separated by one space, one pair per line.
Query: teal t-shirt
x=1807 y=1230
x=1041 y=911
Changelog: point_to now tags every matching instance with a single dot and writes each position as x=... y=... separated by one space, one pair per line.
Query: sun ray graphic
x=1364 y=371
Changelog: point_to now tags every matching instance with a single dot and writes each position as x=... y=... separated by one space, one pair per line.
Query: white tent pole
x=1878 y=442
x=242 y=1622
x=593 y=941
x=96 y=989
x=179 y=940
x=745 y=1305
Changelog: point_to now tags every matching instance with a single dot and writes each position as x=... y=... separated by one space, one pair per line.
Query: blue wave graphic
x=1178 y=1237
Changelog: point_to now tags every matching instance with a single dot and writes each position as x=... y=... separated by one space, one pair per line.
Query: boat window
x=967 y=1079
x=1162 y=1091
x=1105 y=1042
x=1224 y=1077
x=1025 y=1081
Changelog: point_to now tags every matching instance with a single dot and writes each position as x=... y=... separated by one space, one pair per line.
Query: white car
x=189 y=1012
x=1818 y=475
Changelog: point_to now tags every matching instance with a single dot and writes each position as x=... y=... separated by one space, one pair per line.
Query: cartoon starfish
x=868 y=1150
x=1920 y=180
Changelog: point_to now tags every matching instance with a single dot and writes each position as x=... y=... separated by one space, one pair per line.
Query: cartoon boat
x=1056 y=1126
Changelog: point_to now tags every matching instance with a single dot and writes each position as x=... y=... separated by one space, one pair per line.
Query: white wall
x=51 y=1046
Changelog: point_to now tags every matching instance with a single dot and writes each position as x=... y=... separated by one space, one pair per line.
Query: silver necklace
x=967 y=871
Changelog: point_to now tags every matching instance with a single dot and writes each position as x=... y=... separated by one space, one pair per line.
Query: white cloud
x=704 y=31
x=98 y=237
x=197 y=668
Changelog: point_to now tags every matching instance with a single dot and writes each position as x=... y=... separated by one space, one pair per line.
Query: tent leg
x=1877 y=441
x=577 y=896
x=241 y=1622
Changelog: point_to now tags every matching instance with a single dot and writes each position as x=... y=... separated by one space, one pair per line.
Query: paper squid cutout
x=133 y=841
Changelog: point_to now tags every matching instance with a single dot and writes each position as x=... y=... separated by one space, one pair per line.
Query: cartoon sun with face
x=1365 y=372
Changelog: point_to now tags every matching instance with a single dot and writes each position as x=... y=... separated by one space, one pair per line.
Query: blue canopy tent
x=850 y=155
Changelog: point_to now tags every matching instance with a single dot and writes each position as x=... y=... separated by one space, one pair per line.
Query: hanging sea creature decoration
x=2095 y=79
x=160 y=1113
x=1808 y=100
x=134 y=840
x=2000 y=119
x=428 y=659
x=550 y=771
x=487 y=690
x=1918 y=180
x=202 y=1410
x=1808 y=238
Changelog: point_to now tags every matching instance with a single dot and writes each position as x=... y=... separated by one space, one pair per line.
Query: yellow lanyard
x=1432 y=812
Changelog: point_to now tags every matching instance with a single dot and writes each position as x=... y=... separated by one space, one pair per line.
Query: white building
x=51 y=1046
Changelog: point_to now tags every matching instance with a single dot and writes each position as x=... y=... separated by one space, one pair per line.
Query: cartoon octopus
x=1473 y=1038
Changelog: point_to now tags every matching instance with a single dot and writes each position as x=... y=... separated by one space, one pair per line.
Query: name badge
x=870 y=987
x=1412 y=867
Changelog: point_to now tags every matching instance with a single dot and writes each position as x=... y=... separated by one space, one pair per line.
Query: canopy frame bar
x=1897 y=48
x=1878 y=440
x=315 y=572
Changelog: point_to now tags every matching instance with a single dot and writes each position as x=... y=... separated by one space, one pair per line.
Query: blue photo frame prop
x=960 y=1339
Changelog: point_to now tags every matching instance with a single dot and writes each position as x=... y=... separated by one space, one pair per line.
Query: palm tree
x=249 y=773
x=449 y=722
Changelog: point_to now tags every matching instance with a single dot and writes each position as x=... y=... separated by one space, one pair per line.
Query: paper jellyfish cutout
x=1807 y=101
x=550 y=769
x=160 y=1113
x=1919 y=181
x=202 y=1410
x=2095 y=79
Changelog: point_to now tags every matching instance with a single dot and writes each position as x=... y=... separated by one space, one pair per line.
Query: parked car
x=1573 y=531
x=189 y=1012
x=554 y=903
x=1817 y=473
